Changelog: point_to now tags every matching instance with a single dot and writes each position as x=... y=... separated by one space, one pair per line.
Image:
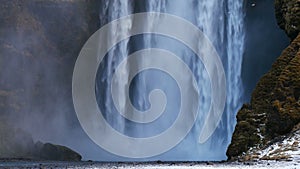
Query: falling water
x=222 y=21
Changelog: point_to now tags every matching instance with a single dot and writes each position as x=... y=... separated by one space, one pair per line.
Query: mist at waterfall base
x=57 y=122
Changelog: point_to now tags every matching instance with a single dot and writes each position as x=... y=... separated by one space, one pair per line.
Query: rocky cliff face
x=274 y=109
x=288 y=16
x=39 y=43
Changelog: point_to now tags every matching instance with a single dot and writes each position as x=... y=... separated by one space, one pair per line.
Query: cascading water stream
x=222 y=22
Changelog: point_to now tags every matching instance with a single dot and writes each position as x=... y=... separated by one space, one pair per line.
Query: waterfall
x=222 y=21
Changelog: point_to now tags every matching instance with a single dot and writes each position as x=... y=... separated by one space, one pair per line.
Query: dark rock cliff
x=288 y=16
x=274 y=109
x=39 y=43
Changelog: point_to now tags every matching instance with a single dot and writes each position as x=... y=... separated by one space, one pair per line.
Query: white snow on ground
x=285 y=148
x=270 y=165
x=288 y=149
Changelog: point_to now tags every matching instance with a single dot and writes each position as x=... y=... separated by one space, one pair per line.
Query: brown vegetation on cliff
x=274 y=109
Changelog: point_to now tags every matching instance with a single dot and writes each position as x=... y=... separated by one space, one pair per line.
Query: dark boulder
x=15 y=143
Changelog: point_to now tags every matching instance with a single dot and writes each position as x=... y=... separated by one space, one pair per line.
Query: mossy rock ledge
x=274 y=109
